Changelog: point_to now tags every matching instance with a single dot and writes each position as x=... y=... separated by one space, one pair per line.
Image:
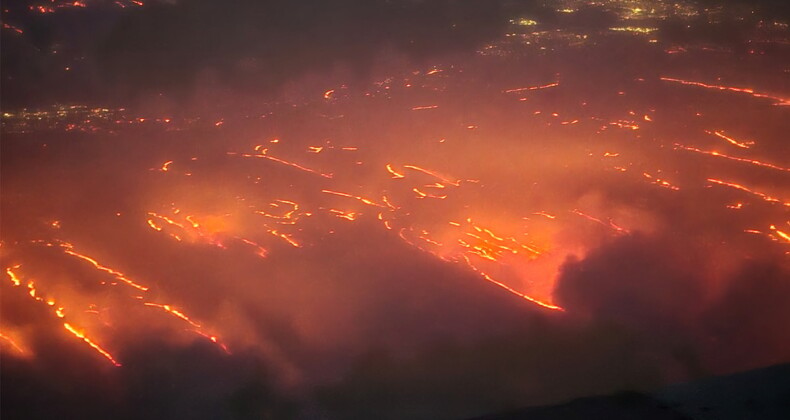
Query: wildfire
x=11 y=342
x=362 y=199
x=282 y=161
x=510 y=289
x=512 y=227
x=92 y=344
x=169 y=309
x=734 y=158
x=58 y=311
x=433 y=174
x=522 y=89
x=765 y=197
x=69 y=249
x=732 y=141
x=608 y=223
x=777 y=99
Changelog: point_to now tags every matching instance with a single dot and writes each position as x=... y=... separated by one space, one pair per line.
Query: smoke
x=358 y=247
x=173 y=48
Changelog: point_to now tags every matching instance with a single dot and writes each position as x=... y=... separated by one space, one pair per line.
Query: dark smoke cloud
x=169 y=48
x=159 y=381
x=745 y=325
x=664 y=289
x=173 y=49
x=640 y=313
x=637 y=280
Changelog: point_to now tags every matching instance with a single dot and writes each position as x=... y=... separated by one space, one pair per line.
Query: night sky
x=421 y=209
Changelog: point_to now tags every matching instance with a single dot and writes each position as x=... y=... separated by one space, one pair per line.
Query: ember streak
x=604 y=170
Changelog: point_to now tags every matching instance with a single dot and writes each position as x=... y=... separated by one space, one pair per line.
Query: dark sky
x=117 y=55
x=164 y=46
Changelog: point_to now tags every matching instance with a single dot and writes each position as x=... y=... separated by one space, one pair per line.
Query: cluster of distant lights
x=53 y=6
x=78 y=118
x=647 y=12
x=637 y=17
x=626 y=10
x=633 y=9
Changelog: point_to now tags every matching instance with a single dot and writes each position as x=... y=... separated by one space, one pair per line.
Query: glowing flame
x=777 y=99
x=732 y=141
x=91 y=343
x=734 y=158
x=69 y=249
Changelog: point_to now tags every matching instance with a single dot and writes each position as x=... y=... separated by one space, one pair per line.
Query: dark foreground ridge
x=757 y=394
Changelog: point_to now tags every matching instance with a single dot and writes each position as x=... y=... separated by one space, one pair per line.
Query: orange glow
x=214 y=339
x=780 y=234
x=191 y=219
x=742 y=145
x=286 y=238
x=546 y=215
x=165 y=219
x=17 y=282
x=92 y=344
x=13 y=28
x=608 y=224
x=153 y=225
x=522 y=89
x=362 y=199
x=14 y=279
x=169 y=309
x=259 y=250
x=478 y=242
x=117 y=274
x=660 y=182
x=625 y=124
x=286 y=216
x=777 y=99
x=565 y=177
x=59 y=313
x=742 y=188
x=510 y=289
x=433 y=174
x=394 y=173
x=344 y=215
x=284 y=162
x=722 y=155
x=10 y=341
